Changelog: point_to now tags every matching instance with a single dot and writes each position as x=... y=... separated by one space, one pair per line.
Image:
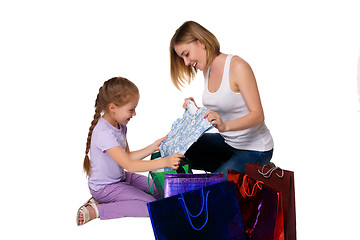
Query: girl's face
x=123 y=114
x=193 y=54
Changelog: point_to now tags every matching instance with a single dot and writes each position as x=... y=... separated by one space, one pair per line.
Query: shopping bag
x=260 y=207
x=282 y=181
x=210 y=213
x=182 y=182
x=159 y=176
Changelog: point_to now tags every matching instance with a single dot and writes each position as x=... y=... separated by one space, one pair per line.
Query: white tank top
x=230 y=105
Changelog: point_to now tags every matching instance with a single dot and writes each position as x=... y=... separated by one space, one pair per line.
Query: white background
x=54 y=56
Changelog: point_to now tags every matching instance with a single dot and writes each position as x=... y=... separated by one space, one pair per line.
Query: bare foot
x=91 y=212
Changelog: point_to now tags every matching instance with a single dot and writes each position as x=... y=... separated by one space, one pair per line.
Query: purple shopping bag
x=182 y=182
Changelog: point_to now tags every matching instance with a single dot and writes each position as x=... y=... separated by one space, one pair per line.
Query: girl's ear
x=111 y=107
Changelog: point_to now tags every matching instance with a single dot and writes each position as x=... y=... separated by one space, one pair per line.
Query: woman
x=232 y=96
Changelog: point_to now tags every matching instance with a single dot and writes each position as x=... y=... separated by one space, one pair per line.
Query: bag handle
x=183 y=162
x=155 y=155
x=271 y=170
x=151 y=188
x=204 y=207
x=254 y=189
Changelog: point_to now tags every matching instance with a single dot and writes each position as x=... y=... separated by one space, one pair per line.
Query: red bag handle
x=247 y=187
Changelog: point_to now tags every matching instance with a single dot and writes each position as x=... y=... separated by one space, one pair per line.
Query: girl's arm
x=143 y=153
x=123 y=159
x=245 y=82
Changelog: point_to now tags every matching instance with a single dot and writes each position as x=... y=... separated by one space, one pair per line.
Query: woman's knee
x=265 y=157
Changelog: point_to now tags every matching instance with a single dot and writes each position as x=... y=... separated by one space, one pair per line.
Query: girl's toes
x=81 y=218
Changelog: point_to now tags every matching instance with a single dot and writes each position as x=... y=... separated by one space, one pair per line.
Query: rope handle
x=269 y=173
x=254 y=189
x=183 y=186
x=151 y=189
x=204 y=207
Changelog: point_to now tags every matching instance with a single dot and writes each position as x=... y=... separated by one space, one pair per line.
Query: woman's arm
x=242 y=80
x=123 y=159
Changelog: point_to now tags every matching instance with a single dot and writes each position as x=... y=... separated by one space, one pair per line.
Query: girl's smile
x=122 y=114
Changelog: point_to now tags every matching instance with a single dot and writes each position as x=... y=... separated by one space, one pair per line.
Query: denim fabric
x=211 y=153
x=240 y=157
x=185 y=131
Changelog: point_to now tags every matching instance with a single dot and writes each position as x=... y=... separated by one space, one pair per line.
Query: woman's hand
x=173 y=161
x=187 y=99
x=215 y=119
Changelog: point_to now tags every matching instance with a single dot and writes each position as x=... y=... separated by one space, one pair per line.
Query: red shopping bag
x=282 y=181
x=260 y=207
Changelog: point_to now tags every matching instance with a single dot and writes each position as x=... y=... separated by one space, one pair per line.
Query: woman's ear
x=201 y=44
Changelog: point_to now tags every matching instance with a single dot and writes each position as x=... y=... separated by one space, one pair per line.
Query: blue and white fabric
x=185 y=131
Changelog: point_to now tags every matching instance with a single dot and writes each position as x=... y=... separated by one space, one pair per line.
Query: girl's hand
x=215 y=119
x=185 y=102
x=173 y=161
x=156 y=145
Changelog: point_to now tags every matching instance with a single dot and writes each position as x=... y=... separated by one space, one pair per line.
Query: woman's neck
x=218 y=62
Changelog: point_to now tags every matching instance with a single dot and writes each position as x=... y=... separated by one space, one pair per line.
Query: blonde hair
x=116 y=90
x=188 y=32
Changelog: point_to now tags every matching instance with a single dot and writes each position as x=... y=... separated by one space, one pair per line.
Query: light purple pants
x=125 y=199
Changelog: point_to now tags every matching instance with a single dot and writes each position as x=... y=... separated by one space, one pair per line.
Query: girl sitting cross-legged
x=115 y=192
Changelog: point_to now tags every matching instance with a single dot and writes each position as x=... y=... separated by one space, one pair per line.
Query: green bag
x=158 y=177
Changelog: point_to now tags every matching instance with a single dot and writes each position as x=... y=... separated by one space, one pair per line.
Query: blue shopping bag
x=211 y=212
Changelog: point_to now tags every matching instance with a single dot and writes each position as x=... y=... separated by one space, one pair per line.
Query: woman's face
x=193 y=54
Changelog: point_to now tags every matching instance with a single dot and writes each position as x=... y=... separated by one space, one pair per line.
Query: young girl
x=121 y=193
